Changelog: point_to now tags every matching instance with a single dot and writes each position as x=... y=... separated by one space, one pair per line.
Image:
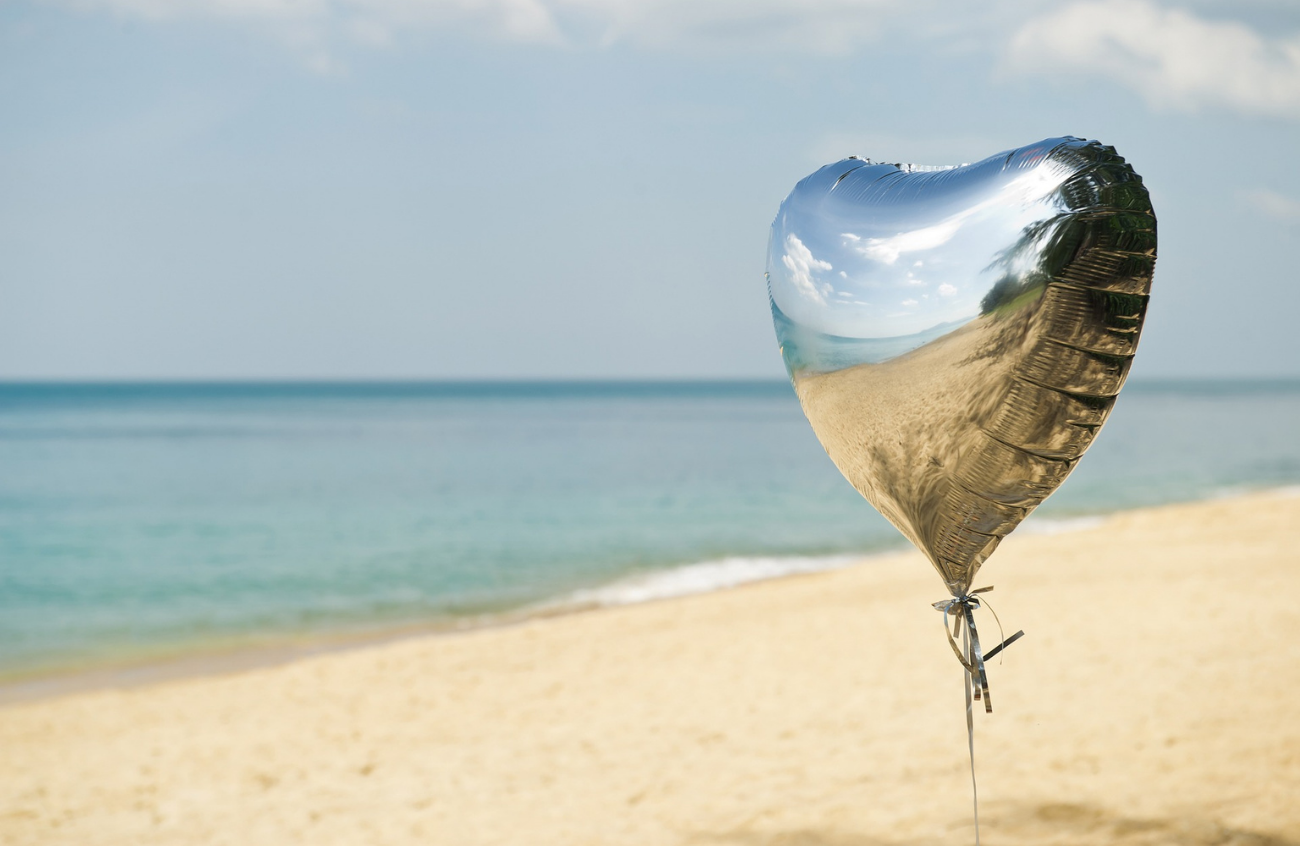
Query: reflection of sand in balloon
x=958 y=441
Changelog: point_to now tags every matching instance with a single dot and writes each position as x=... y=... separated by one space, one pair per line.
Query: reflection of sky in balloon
x=865 y=251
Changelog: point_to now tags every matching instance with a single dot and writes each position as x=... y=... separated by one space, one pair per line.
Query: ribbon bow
x=962 y=608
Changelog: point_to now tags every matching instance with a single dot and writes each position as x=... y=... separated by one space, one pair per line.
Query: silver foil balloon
x=958 y=335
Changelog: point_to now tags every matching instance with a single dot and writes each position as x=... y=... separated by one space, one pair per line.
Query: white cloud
x=946 y=290
x=821 y=26
x=512 y=20
x=803 y=267
x=818 y=26
x=888 y=250
x=1274 y=205
x=708 y=27
x=315 y=28
x=174 y=9
x=1175 y=59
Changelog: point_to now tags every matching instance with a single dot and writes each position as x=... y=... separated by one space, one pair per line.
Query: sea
x=139 y=522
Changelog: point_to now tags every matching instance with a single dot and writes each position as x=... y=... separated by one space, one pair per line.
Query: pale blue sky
x=578 y=188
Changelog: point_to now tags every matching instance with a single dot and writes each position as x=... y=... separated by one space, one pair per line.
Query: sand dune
x=1155 y=700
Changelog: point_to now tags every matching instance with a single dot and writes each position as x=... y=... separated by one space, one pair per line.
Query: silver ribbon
x=962 y=608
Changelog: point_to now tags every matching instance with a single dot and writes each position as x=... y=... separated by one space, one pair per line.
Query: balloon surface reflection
x=958 y=335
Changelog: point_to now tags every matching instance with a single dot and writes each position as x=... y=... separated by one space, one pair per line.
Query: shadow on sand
x=1041 y=825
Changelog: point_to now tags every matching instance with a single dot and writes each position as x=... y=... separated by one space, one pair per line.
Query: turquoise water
x=141 y=519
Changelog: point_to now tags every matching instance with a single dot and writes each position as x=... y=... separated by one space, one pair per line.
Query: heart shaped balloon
x=958 y=335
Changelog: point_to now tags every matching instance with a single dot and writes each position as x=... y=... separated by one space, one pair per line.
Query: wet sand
x=1154 y=700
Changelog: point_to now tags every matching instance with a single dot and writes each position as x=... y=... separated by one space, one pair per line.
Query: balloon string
x=972 y=658
x=970 y=740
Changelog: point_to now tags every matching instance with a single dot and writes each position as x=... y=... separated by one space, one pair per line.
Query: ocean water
x=138 y=521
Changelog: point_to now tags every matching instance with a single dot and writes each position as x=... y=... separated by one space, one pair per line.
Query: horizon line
x=521 y=380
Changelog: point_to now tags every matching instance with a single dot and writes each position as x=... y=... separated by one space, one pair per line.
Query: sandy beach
x=1155 y=700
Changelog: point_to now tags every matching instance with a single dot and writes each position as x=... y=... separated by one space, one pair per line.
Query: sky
x=519 y=189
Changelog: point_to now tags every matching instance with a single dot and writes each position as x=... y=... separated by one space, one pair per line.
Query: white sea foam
x=1059 y=525
x=703 y=577
x=1235 y=491
x=1230 y=492
x=723 y=573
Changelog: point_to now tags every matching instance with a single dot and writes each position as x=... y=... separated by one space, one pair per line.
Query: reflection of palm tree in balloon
x=1048 y=244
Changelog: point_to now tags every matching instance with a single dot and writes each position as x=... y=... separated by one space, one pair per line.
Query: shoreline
x=1151 y=702
x=218 y=659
